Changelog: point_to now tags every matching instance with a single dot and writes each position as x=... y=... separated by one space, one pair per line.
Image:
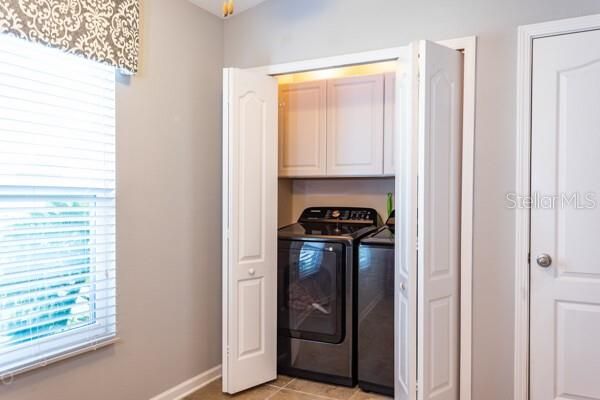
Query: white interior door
x=249 y=230
x=565 y=294
x=429 y=189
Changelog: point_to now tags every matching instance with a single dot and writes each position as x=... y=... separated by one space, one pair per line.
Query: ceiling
x=216 y=6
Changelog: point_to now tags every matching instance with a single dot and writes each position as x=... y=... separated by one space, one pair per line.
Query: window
x=57 y=205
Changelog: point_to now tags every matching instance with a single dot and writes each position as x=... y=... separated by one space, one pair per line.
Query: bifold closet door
x=407 y=157
x=440 y=144
x=429 y=180
x=249 y=230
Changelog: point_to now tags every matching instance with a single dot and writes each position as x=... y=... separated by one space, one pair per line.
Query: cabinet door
x=389 y=123
x=302 y=124
x=355 y=126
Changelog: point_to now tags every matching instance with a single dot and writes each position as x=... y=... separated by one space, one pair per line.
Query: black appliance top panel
x=384 y=237
x=346 y=215
x=329 y=230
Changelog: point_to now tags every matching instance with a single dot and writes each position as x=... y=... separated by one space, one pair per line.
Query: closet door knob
x=251 y=272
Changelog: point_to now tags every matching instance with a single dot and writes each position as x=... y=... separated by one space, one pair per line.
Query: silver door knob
x=544 y=260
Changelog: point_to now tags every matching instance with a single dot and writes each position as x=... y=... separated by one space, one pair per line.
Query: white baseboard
x=190 y=386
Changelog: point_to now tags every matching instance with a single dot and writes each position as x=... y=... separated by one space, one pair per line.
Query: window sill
x=7 y=377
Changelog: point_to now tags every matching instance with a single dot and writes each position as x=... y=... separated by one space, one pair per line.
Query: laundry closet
x=336 y=185
x=315 y=162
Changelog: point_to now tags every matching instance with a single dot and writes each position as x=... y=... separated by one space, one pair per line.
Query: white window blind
x=57 y=205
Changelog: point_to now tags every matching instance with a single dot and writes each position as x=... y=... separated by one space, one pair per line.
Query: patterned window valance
x=106 y=31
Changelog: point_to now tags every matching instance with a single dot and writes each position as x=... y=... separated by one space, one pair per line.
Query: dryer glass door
x=311 y=290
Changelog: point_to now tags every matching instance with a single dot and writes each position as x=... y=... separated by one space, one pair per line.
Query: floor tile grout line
x=274 y=393
x=279 y=388
x=289 y=382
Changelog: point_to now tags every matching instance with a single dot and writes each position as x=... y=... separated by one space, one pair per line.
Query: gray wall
x=169 y=201
x=287 y=30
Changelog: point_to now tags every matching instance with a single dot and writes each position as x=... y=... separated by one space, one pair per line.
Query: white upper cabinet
x=340 y=127
x=302 y=129
x=389 y=124
x=355 y=126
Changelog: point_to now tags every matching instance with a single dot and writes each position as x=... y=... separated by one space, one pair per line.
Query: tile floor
x=286 y=388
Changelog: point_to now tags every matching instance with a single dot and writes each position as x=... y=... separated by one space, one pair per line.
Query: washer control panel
x=340 y=215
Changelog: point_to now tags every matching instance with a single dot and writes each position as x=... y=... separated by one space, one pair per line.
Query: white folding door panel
x=440 y=134
x=428 y=187
x=406 y=157
x=249 y=230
